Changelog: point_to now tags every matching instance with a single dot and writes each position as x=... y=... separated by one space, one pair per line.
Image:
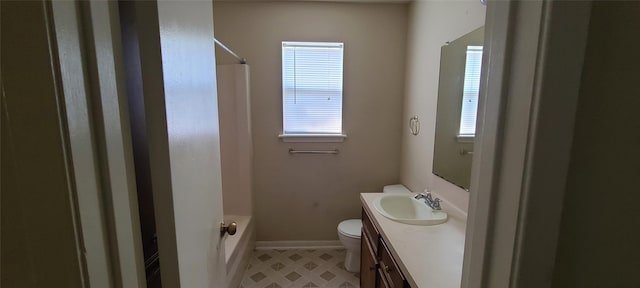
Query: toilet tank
x=396 y=188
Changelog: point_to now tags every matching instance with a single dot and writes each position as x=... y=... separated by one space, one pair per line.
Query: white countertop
x=429 y=256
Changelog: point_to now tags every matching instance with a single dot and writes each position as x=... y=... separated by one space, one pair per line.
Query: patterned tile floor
x=298 y=268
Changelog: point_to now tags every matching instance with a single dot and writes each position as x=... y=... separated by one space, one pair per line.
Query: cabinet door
x=382 y=280
x=371 y=231
x=390 y=270
x=368 y=263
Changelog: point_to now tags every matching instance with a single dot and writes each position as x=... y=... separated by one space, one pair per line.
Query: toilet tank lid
x=396 y=188
x=351 y=227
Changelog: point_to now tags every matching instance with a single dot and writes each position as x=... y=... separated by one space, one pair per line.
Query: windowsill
x=465 y=138
x=312 y=137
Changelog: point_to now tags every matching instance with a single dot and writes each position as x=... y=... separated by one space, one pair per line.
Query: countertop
x=429 y=256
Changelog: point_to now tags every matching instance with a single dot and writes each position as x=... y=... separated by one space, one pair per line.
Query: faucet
x=428 y=199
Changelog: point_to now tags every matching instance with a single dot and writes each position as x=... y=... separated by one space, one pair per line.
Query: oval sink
x=405 y=209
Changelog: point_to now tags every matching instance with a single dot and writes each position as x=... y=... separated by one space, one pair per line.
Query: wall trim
x=307 y=244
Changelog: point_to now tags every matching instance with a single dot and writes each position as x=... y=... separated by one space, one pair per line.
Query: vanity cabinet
x=377 y=266
x=368 y=263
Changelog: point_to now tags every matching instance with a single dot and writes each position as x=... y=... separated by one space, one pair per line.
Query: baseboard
x=318 y=244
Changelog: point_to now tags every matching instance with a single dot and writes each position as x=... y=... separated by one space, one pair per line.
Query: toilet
x=350 y=230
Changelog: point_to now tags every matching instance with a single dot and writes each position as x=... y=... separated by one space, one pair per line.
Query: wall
x=304 y=197
x=431 y=24
x=598 y=242
x=41 y=236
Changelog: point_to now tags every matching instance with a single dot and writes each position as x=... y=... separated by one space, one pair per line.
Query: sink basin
x=404 y=209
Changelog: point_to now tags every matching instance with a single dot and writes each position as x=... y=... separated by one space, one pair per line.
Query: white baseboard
x=330 y=244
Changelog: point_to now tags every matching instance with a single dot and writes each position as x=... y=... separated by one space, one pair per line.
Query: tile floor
x=298 y=268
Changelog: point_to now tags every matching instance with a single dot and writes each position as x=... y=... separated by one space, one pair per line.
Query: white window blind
x=312 y=87
x=471 y=90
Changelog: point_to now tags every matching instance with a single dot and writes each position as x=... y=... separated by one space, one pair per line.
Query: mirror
x=458 y=87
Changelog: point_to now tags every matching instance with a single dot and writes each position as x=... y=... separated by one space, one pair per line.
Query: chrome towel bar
x=293 y=151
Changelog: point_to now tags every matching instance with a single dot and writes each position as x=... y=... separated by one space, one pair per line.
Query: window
x=312 y=88
x=470 y=92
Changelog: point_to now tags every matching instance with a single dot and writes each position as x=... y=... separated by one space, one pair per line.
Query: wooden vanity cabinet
x=368 y=263
x=390 y=269
x=381 y=280
x=377 y=266
x=368 y=252
x=369 y=230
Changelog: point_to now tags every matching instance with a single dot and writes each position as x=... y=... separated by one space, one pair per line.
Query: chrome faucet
x=428 y=199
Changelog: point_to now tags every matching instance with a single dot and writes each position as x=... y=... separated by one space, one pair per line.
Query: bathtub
x=238 y=248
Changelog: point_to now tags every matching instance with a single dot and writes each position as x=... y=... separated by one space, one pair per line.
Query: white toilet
x=349 y=232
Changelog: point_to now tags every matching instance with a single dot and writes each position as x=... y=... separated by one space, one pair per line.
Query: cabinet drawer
x=390 y=269
x=371 y=231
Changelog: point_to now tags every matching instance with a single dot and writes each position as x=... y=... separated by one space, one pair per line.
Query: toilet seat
x=351 y=228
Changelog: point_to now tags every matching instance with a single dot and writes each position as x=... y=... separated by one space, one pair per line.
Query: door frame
x=111 y=114
x=525 y=118
x=101 y=152
x=98 y=26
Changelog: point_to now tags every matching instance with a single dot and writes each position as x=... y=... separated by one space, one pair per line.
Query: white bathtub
x=238 y=248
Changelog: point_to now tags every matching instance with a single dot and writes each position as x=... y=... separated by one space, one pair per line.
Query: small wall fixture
x=414 y=125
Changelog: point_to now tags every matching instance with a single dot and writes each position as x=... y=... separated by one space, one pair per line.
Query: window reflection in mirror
x=458 y=90
x=470 y=91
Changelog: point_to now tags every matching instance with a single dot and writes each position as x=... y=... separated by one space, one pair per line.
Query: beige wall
x=598 y=244
x=304 y=197
x=431 y=24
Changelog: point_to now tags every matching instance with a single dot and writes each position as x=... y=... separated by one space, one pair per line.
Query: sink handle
x=436 y=204
x=424 y=195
